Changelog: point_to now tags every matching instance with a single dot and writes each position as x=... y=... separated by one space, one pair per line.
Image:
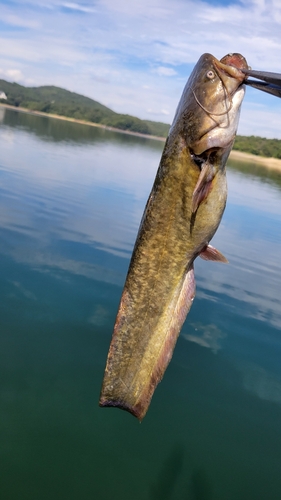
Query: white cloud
x=15 y=20
x=138 y=59
x=78 y=7
x=11 y=74
x=16 y=74
x=164 y=71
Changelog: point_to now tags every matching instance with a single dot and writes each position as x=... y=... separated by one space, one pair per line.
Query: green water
x=71 y=198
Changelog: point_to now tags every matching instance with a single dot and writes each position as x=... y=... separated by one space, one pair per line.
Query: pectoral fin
x=203 y=185
x=211 y=253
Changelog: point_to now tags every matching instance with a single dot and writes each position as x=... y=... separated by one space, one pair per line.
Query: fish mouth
x=231 y=66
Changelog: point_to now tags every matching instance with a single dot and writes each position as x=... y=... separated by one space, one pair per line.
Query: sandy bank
x=271 y=163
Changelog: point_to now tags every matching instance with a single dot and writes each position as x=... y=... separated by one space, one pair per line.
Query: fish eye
x=210 y=74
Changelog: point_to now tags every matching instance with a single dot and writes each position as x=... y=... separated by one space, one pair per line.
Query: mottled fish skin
x=181 y=216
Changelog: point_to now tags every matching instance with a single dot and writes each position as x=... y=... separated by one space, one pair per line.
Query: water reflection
x=68 y=202
x=249 y=238
x=209 y=336
x=56 y=130
x=261 y=382
x=60 y=200
x=69 y=214
x=256 y=171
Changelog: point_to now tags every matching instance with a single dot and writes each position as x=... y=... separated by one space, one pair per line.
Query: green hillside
x=50 y=99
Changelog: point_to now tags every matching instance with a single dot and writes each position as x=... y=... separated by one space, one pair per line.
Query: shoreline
x=81 y=122
x=268 y=163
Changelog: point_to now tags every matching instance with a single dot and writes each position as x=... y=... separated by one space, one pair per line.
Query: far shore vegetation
x=58 y=101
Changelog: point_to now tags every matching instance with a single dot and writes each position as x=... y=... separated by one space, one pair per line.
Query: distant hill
x=50 y=99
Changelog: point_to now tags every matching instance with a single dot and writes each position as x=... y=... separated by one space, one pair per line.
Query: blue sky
x=136 y=55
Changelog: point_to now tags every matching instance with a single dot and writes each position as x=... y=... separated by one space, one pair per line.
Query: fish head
x=208 y=112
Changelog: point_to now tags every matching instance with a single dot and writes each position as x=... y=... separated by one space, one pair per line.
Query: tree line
x=258 y=146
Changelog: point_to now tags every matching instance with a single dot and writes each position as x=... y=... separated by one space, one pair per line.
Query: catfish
x=181 y=216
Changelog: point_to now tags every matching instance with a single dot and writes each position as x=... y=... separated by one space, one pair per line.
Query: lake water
x=71 y=200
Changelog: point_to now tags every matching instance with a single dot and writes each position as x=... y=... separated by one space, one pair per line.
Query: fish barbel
x=181 y=216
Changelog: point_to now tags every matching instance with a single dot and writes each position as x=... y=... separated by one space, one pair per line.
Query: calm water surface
x=71 y=198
